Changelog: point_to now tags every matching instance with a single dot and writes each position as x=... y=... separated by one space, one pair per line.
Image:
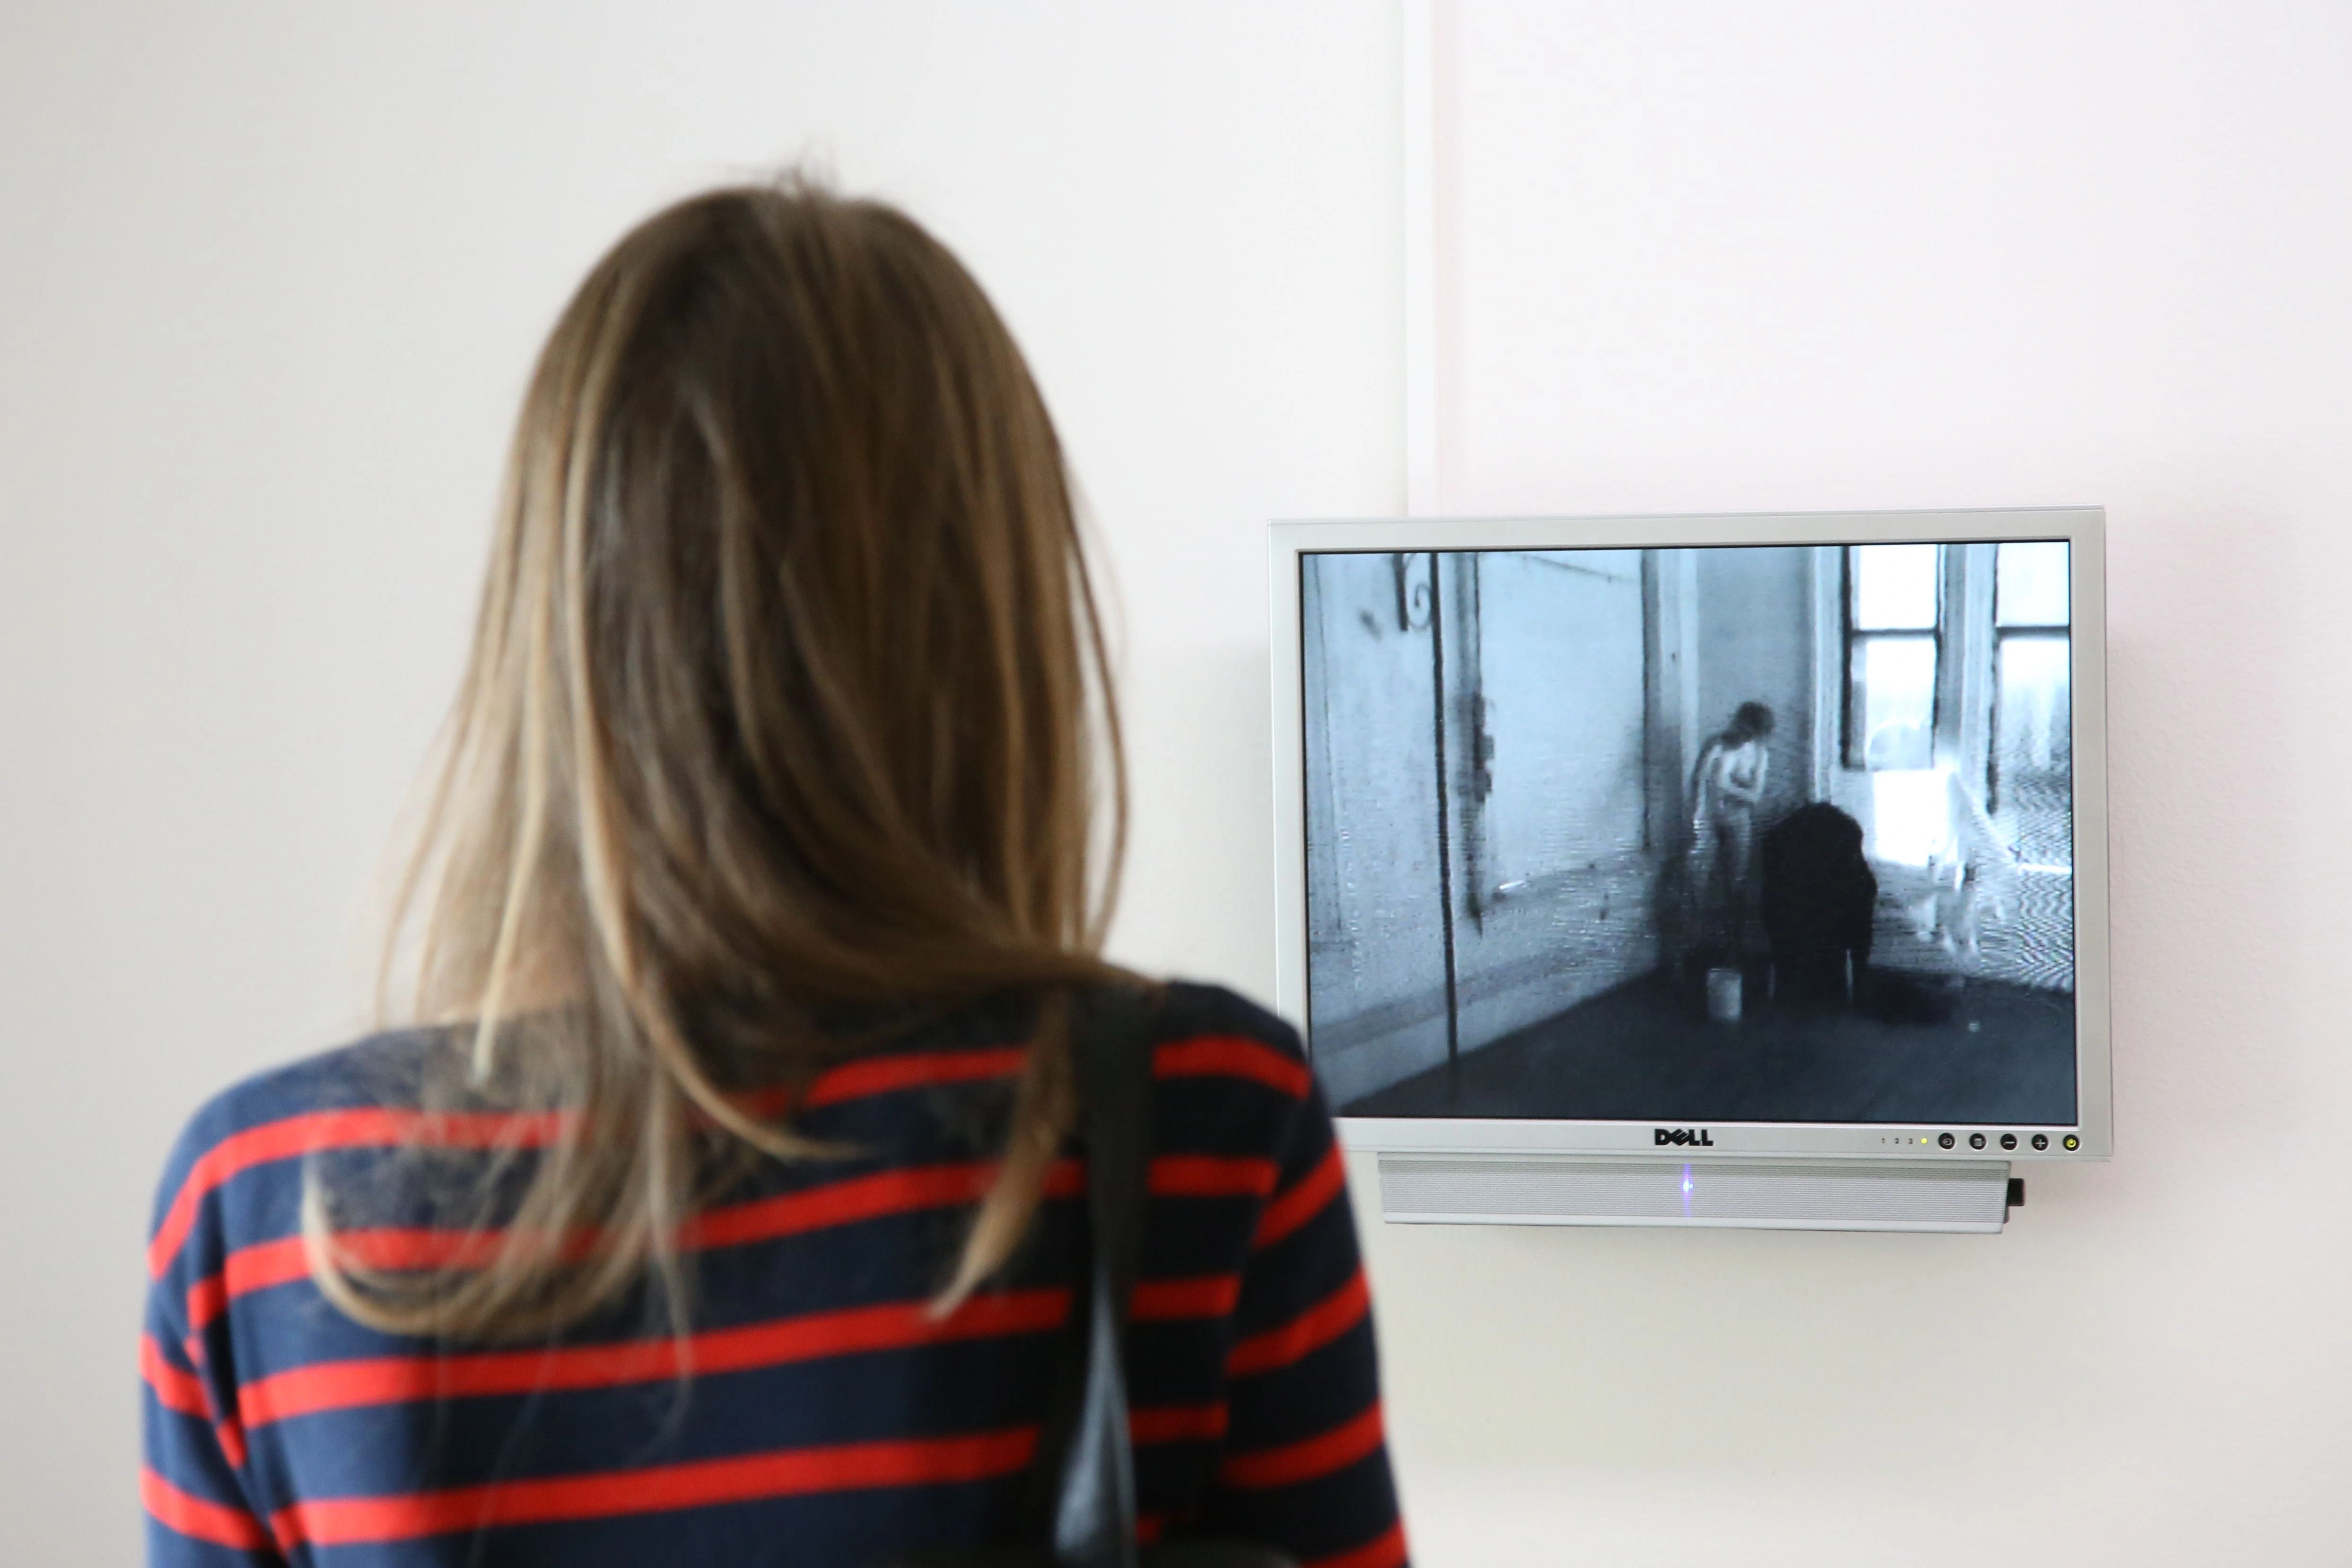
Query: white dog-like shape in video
x=1975 y=879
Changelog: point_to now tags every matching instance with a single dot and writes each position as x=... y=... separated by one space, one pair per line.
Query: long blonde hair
x=786 y=705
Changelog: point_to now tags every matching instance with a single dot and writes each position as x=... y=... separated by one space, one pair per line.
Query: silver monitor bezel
x=2085 y=528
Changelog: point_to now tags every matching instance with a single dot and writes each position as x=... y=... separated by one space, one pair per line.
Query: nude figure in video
x=1727 y=786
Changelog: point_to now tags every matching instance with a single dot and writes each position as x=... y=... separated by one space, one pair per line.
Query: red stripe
x=1212 y=1176
x=207 y=1300
x=888 y=1075
x=1304 y=1461
x=1177 y=1423
x=193 y=1516
x=1302 y=1203
x=918 y=1070
x=343 y=1521
x=366 y=1127
x=1209 y=1296
x=1233 y=1056
x=393 y=1380
x=862 y=1197
x=175 y=1389
x=1310 y=1330
x=1385 y=1550
x=268 y=1263
x=254 y=1267
x=230 y=1435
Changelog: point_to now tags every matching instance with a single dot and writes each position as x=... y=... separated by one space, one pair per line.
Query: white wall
x=269 y=276
x=1840 y=253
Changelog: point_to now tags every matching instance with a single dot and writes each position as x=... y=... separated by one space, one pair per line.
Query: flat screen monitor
x=1745 y=835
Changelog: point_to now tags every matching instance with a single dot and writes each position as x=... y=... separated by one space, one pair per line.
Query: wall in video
x=1724 y=834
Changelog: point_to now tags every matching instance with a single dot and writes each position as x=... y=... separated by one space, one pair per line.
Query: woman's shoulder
x=381 y=1070
x=269 y=1122
x=1187 y=1007
x=1195 y=1027
x=1231 y=1076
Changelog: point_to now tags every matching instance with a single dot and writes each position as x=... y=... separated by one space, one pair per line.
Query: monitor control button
x=1945 y=1141
x=2009 y=1140
x=2071 y=1142
x=2041 y=1139
x=1976 y=1140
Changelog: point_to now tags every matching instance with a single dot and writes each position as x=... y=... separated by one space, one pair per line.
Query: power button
x=2071 y=1141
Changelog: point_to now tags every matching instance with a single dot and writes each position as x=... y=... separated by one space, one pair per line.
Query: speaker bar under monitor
x=1845 y=1194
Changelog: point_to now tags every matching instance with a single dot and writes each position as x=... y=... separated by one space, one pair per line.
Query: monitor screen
x=1719 y=833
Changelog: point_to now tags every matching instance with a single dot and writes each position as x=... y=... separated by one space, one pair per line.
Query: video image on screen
x=1776 y=834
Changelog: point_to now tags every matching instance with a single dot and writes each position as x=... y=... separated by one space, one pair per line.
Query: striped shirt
x=829 y=1419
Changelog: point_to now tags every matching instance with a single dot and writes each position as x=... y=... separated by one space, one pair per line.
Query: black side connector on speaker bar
x=2016 y=1198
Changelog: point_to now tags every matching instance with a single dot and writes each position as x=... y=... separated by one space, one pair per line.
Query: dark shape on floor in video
x=1819 y=896
x=1820 y=900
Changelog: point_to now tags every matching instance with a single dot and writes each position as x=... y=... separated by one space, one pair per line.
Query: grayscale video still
x=1731 y=834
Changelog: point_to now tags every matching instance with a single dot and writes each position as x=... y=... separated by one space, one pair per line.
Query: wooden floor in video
x=1911 y=1050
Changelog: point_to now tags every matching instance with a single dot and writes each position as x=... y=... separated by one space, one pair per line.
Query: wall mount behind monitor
x=1962 y=1196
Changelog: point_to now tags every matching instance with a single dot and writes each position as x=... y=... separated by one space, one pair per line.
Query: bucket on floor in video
x=1723 y=994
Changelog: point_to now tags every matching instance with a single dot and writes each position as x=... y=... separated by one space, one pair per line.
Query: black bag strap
x=1093 y=1523
x=1082 y=1490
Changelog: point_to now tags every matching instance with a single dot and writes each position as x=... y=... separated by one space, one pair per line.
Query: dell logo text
x=1684 y=1135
